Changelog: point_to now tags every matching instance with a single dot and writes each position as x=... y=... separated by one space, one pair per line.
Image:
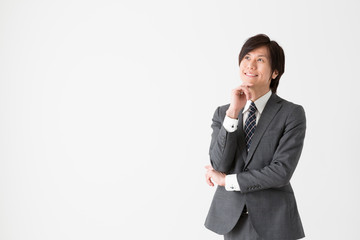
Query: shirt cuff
x=231 y=183
x=230 y=124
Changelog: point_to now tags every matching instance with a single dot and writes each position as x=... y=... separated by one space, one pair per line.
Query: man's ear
x=275 y=74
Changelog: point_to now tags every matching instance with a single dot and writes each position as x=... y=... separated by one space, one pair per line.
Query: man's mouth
x=251 y=75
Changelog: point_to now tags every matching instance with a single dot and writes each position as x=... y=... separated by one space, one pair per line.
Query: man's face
x=255 y=68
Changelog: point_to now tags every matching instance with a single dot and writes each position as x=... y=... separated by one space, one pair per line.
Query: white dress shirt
x=230 y=124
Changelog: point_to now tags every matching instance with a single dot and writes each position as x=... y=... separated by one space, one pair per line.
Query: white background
x=106 y=109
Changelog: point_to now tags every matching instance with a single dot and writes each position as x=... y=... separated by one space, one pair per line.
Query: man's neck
x=258 y=94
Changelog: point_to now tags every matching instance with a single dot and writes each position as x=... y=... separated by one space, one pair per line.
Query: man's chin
x=247 y=82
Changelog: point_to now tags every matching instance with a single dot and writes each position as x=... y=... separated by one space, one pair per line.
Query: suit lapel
x=269 y=112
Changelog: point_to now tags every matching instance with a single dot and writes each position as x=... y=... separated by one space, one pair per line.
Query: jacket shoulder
x=288 y=104
x=293 y=110
x=221 y=110
x=224 y=108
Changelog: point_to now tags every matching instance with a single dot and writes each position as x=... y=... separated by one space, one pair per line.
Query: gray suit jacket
x=263 y=173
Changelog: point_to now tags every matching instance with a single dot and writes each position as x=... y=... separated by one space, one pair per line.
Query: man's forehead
x=261 y=51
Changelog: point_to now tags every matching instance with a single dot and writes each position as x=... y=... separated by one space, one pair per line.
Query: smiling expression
x=255 y=68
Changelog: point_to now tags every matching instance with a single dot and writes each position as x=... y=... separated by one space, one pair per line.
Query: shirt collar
x=259 y=103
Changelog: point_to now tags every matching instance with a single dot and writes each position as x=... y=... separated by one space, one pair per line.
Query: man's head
x=262 y=62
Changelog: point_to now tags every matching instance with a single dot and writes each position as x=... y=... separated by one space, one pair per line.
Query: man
x=256 y=144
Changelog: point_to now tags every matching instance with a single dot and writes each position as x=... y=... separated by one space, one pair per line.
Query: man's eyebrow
x=261 y=55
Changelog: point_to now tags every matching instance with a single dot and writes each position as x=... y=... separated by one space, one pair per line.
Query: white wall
x=106 y=109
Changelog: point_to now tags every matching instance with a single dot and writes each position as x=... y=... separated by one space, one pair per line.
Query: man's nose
x=251 y=64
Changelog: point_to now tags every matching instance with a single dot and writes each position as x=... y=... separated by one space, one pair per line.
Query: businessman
x=256 y=144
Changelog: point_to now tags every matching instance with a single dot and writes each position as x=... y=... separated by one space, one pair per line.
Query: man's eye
x=260 y=60
x=247 y=57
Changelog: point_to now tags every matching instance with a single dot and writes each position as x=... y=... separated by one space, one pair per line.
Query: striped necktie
x=250 y=125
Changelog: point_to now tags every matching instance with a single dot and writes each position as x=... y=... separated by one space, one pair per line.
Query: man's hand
x=214 y=176
x=239 y=96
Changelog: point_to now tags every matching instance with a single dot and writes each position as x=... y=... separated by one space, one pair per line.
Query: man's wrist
x=232 y=113
x=223 y=180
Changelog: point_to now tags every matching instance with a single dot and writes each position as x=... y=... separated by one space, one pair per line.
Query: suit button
x=245 y=170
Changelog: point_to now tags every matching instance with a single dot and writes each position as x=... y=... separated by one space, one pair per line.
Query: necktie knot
x=252 y=108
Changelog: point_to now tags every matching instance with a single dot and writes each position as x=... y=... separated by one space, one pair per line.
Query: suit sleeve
x=278 y=173
x=223 y=144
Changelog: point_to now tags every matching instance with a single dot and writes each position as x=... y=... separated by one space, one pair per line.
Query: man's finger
x=208 y=180
x=247 y=92
x=209 y=167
